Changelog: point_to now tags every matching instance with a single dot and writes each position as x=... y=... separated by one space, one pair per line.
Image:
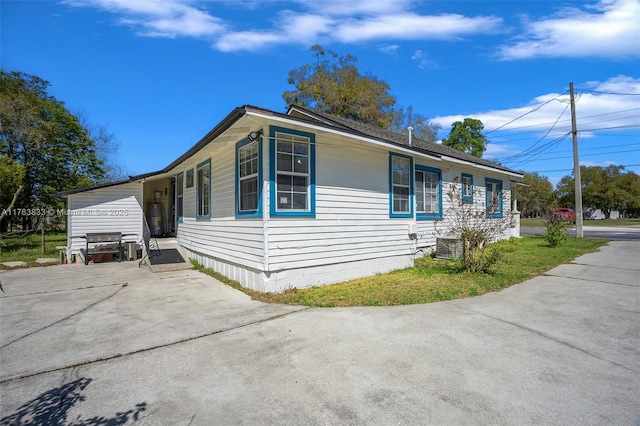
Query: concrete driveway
x=111 y=344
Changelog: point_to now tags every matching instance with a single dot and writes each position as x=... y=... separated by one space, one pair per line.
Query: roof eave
x=64 y=194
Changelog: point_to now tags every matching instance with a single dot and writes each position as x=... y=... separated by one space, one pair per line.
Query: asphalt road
x=601 y=232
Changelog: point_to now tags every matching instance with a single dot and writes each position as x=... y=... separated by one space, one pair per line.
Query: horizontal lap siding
x=221 y=236
x=237 y=242
x=111 y=202
x=223 y=182
x=352 y=213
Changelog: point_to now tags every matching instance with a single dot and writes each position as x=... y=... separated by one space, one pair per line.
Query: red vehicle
x=564 y=214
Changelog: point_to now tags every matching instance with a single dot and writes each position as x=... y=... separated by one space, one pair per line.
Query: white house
x=299 y=199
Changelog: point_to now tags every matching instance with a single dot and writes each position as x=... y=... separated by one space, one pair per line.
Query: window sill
x=401 y=215
x=249 y=215
x=293 y=214
x=428 y=216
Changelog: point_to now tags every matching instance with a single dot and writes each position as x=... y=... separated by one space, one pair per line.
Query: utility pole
x=576 y=166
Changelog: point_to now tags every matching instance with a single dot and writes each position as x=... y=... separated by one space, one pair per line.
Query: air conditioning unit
x=448 y=248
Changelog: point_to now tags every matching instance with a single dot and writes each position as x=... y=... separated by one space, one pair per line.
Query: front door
x=177 y=193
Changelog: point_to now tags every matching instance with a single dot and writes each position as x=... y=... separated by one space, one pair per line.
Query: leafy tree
x=600 y=189
x=605 y=188
x=467 y=136
x=11 y=175
x=335 y=86
x=39 y=133
x=536 y=199
x=630 y=183
x=565 y=192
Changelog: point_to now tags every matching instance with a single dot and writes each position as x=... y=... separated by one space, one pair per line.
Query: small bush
x=555 y=234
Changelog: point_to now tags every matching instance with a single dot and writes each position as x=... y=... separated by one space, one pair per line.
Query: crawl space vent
x=448 y=248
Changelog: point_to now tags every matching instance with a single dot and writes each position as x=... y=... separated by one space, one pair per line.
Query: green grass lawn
x=541 y=223
x=29 y=248
x=432 y=280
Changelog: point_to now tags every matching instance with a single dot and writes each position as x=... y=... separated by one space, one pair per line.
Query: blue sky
x=161 y=74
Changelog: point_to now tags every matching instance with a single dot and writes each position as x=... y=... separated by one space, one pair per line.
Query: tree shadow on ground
x=53 y=406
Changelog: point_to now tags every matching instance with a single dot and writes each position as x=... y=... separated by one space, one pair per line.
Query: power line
x=626 y=126
x=591 y=155
x=568 y=170
x=523 y=115
x=511 y=129
x=537 y=152
x=539 y=140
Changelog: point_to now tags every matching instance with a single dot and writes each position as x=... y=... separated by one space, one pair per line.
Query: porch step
x=168 y=256
x=168 y=267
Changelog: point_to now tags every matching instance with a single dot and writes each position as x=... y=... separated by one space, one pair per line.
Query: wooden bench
x=102 y=243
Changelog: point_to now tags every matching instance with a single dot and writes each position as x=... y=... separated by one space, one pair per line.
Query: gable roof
x=309 y=116
x=397 y=138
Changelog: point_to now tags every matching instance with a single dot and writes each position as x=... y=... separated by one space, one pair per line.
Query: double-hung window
x=494 y=198
x=203 y=193
x=400 y=186
x=467 y=188
x=248 y=178
x=292 y=168
x=428 y=195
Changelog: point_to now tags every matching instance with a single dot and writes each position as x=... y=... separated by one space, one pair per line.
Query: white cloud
x=608 y=29
x=495 y=150
x=389 y=49
x=410 y=26
x=601 y=107
x=598 y=104
x=423 y=60
x=247 y=40
x=340 y=20
x=157 y=18
x=611 y=30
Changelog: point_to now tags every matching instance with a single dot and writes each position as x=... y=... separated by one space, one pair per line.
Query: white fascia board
x=346 y=134
x=480 y=166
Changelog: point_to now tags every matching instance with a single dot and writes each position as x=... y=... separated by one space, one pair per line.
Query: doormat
x=166 y=256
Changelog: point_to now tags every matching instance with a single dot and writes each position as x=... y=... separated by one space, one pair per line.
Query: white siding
x=351 y=235
x=113 y=209
x=238 y=242
x=352 y=224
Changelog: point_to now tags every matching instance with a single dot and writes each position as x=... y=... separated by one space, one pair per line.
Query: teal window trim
x=201 y=215
x=489 y=202
x=430 y=215
x=467 y=192
x=392 y=199
x=273 y=187
x=257 y=212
